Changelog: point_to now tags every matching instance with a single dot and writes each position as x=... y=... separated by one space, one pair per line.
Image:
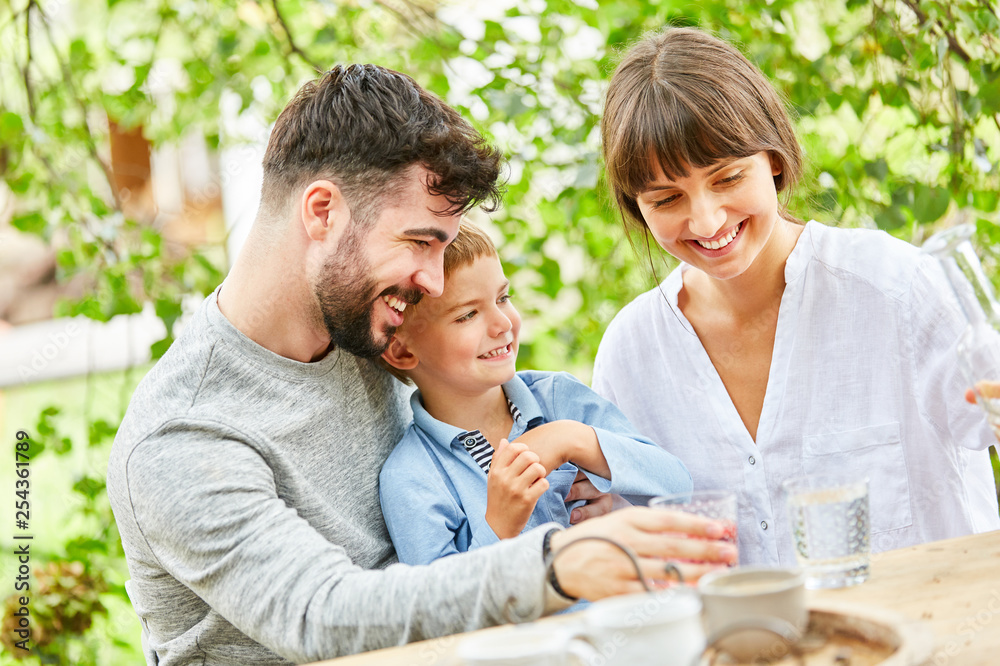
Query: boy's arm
x=638 y=468
x=562 y=441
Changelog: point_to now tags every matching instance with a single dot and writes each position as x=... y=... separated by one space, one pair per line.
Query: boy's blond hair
x=470 y=243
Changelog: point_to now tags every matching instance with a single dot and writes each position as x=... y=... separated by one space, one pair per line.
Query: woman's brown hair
x=687 y=99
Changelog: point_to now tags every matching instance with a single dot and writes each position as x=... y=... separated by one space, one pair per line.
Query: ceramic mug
x=663 y=627
x=526 y=645
x=754 y=613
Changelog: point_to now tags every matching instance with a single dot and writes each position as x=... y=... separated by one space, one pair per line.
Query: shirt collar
x=522 y=397
x=442 y=433
x=803 y=251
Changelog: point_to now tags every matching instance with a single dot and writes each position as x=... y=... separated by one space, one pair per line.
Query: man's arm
x=212 y=518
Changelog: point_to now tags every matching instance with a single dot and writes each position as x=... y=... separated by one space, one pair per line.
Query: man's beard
x=347 y=300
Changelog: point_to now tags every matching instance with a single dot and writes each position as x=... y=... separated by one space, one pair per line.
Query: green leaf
x=878 y=169
x=930 y=203
x=160 y=347
x=890 y=218
x=168 y=309
x=31 y=223
x=89 y=486
x=985 y=200
x=101 y=431
x=11 y=127
x=21 y=184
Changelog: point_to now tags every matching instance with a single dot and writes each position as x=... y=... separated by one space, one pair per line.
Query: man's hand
x=595 y=569
x=598 y=503
x=515 y=482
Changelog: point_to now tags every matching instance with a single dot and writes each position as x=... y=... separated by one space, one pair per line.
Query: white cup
x=526 y=645
x=754 y=613
x=631 y=630
x=628 y=630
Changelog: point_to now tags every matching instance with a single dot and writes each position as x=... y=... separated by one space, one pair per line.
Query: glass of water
x=719 y=505
x=830 y=526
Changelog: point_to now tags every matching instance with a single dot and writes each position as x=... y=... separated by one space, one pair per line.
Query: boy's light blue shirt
x=433 y=493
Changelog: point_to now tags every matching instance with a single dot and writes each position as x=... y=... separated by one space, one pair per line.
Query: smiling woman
x=719 y=217
x=777 y=348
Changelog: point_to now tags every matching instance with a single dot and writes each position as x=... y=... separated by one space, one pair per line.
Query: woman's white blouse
x=863 y=380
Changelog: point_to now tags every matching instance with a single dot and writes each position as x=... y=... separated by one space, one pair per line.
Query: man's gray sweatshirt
x=245 y=488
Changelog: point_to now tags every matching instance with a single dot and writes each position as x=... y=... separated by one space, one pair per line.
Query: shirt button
x=763 y=524
x=470 y=442
x=753 y=461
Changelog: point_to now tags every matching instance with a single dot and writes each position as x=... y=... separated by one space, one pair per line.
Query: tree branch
x=291 y=41
x=25 y=74
x=953 y=44
x=407 y=21
x=88 y=140
x=82 y=106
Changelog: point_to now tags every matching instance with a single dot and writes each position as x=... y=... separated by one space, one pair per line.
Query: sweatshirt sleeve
x=640 y=469
x=222 y=529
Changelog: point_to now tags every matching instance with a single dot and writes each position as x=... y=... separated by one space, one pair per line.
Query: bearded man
x=244 y=477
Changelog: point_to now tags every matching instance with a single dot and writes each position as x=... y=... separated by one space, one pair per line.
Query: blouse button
x=753 y=461
x=763 y=524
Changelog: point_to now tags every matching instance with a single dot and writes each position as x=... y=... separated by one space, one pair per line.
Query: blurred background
x=131 y=134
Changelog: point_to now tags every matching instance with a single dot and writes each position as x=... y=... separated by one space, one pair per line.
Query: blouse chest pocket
x=875 y=452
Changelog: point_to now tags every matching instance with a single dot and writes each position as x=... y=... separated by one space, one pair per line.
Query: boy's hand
x=515 y=482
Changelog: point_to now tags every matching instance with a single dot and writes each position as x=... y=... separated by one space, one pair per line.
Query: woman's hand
x=513 y=486
x=595 y=569
x=989 y=390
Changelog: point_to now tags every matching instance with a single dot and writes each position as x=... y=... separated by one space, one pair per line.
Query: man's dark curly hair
x=362 y=127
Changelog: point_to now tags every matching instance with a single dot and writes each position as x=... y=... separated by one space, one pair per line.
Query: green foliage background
x=898 y=107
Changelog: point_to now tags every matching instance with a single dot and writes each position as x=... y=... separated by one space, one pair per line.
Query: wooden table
x=953 y=586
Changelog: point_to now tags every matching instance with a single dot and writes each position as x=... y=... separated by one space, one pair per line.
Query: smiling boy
x=491 y=451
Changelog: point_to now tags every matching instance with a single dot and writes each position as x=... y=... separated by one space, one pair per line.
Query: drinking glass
x=720 y=505
x=830 y=526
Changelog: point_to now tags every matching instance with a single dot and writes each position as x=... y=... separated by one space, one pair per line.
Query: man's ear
x=398 y=355
x=323 y=210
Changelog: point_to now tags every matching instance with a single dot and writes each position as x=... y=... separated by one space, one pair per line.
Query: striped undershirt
x=478 y=446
